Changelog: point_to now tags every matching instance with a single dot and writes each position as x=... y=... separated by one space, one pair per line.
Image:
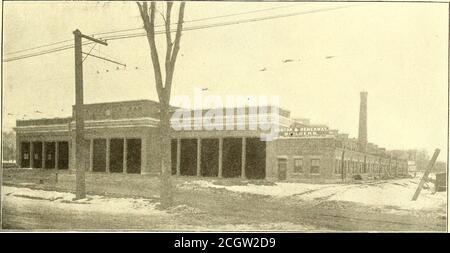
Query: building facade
x=123 y=137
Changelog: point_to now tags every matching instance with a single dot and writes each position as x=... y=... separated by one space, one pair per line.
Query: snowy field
x=119 y=206
x=392 y=194
x=208 y=204
x=64 y=200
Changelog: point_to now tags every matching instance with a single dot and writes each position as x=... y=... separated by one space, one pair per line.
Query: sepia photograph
x=224 y=116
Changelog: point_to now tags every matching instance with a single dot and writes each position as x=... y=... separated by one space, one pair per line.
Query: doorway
x=282 y=168
x=25 y=155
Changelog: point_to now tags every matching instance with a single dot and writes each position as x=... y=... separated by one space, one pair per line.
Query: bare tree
x=163 y=88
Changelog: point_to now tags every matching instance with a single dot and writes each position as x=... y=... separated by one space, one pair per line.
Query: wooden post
x=426 y=174
x=79 y=114
x=79 y=118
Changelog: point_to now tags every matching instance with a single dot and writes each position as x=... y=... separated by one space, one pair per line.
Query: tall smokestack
x=362 y=133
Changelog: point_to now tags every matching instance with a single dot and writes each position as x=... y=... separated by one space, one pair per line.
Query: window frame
x=337 y=166
x=314 y=166
x=302 y=167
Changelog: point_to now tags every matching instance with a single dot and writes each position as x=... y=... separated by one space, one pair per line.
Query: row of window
x=354 y=167
x=300 y=168
x=358 y=167
x=349 y=166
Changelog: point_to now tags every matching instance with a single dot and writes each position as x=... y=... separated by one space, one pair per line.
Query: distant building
x=440 y=167
x=412 y=166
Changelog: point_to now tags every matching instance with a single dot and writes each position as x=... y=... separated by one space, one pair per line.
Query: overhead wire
x=89 y=53
x=199 y=19
x=228 y=23
x=134 y=29
x=133 y=35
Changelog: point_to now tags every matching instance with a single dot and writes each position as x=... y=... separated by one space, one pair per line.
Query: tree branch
x=143 y=15
x=176 y=48
x=168 y=40
x=149 y=25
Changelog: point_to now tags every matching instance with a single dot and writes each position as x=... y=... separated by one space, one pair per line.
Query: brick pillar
x=220 y=156
x=91 y=155
x=107 y=154
x=199 y=156
x=31 y=155
x=244 y=148
x=125 y=153
x=178 y=155
x=56 y=154
x=43 y=155
x=144 y=168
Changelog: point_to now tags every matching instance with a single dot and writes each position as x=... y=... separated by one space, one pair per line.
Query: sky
x=397 y=52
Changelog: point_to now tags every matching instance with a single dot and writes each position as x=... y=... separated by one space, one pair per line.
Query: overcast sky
x=397 y=52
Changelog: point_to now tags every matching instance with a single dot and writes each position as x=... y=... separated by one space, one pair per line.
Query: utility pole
x=79 y=113
x=426 y=174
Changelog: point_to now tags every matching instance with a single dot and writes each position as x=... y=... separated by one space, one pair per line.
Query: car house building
x=123 y=137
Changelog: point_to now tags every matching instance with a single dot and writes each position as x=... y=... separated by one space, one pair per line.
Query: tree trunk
x=166 y=168
x=163 y=91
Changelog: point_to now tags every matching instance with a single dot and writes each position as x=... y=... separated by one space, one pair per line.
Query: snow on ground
x=280 y=189
x=393 y=193
x=93 y=203
x=397 y=193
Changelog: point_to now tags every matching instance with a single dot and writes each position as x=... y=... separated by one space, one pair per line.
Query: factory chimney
x=362 y=133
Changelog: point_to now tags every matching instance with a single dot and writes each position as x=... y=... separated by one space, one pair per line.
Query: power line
x=103 y=58
x=133 y=35
x=37 y=47
x=125 y=36
x=65 y=77
x=134 y=29
x=201 y=19
x=48 y=51
x=37 y=53
x=246 y=12
x=89 y=52
x=106 y=55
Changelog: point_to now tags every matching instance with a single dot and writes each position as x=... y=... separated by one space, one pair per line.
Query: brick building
x=123 y=137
